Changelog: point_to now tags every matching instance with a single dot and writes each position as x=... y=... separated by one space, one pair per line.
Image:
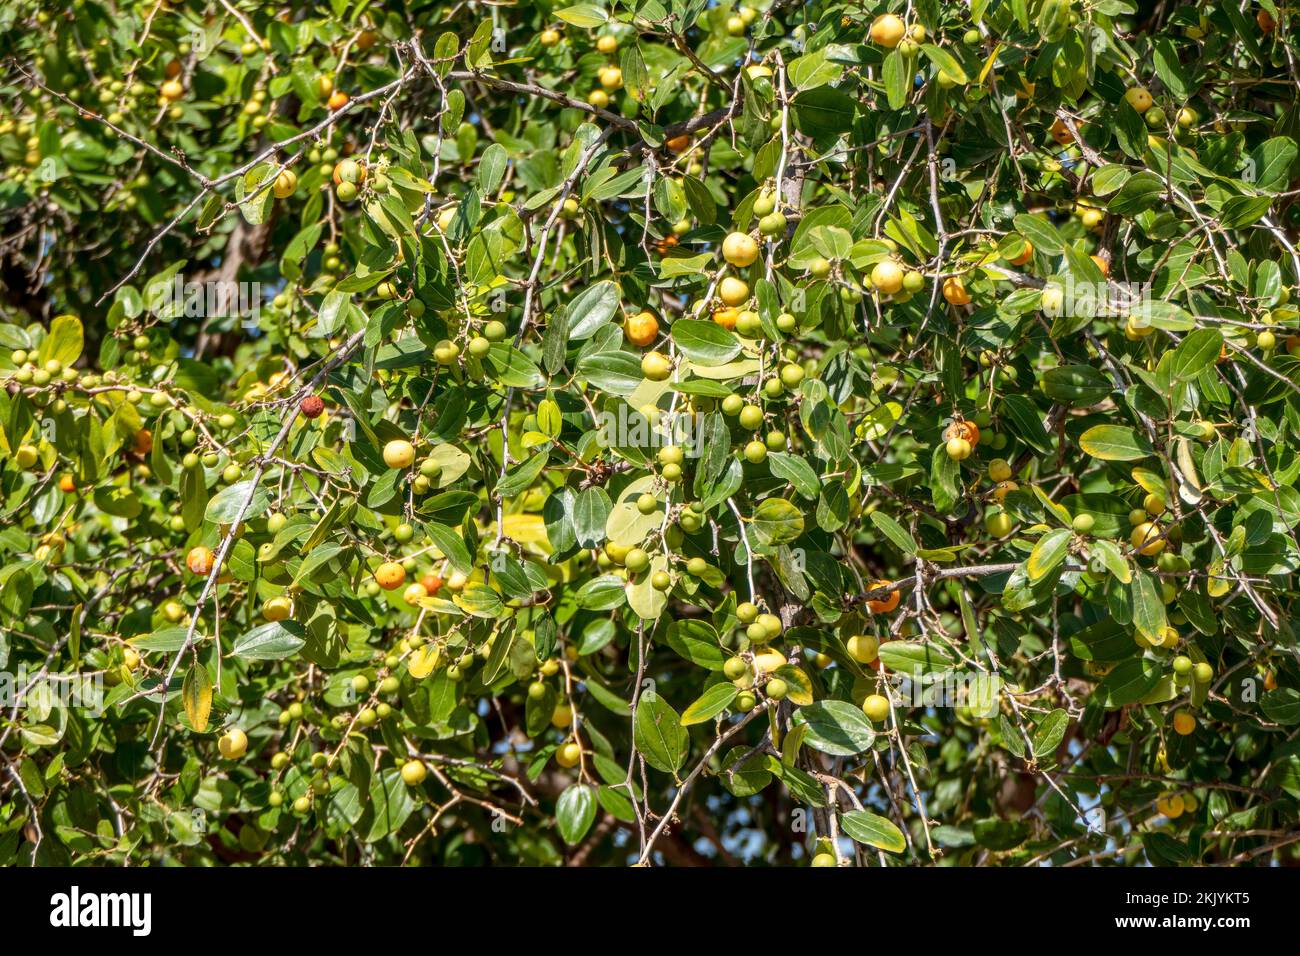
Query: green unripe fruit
x=732 y=405
x=661 y=581
x=696 y=567
x=636 y=561
x=746 y=613
x=776 y=689
x=1083 y=523
x=751 y=417
x=1203 y=673
x=735 y=668
x=647 y=504
x=755 y=452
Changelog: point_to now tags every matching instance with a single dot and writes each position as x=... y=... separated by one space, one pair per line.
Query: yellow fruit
x=611 y=78
x=740 y=249
x=233 y=744
x=285 y=184
x=414 y=772
x=568 y=754
x=277 y=608
x=733 y=292
x=1004 y=488
x=399 y=453
x=876 y=707
x=172 y=90
x=887 y=30
x=1139 y=98
x=887 y=275
x=1146 y=538
x=863 y=648
x=562 y=716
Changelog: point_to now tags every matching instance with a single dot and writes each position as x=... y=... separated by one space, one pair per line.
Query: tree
x=660 y=432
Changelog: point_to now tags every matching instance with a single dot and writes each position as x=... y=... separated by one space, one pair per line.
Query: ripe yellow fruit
x=656 y=366
x=863 y=648
x=285 y=184
x=399 y=453
x=887 y=275
x=958 y=449
x=999 y=469
x=1139 y=98
x=233 y=744
x=1146 y=538
x=562 y=716
x=740 y=249
x=887 y=30
x=607 y=44
x=414 y=772
x=1004 y=488
x=611 y=78
x=414 y=593
x=172 y=90
x=733 y=291
x=876 y=707
x=277 y=608
x=568 y=754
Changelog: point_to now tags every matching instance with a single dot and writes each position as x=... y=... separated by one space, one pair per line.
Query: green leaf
x=870 y=829
x=705 y=343
x=575 y=812
x=711 y=703
x=658 y=734
x=836 y=727
x=270 y=642
x=895 y=532
x=1048 y=553
x=1114 y=443
x=242 y=501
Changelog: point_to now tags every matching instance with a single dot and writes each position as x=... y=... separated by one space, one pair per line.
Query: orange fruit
x=641 y=329
x=726 y=317
x=1025 y=255
x=200 y=560
x=432 y=582
x=963 y=429
x=883 y=605
x=67 y=484
x=390 y=575
x=954 y=290
x=679 y=144
x=338 y=99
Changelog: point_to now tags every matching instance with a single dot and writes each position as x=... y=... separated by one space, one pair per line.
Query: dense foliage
x=673 y=432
